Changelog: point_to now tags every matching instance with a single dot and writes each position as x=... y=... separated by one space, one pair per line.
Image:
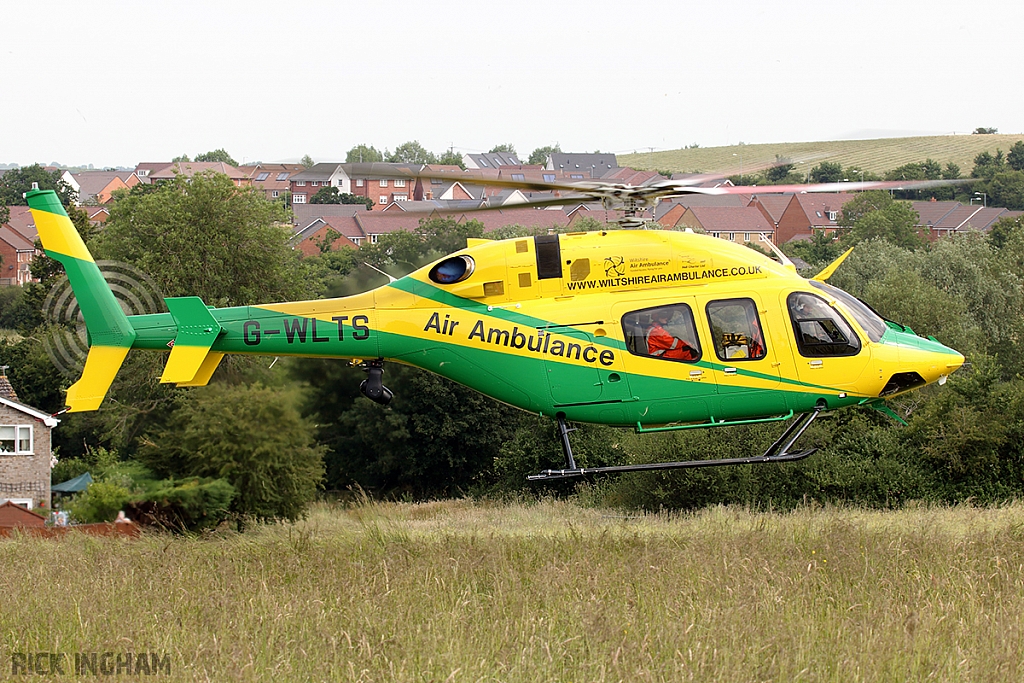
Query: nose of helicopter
x=928 y=358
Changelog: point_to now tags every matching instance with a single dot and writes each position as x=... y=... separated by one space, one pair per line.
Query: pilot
x=663 y=344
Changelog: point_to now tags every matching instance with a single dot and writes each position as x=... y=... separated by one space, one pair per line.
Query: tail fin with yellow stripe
x=110 y=333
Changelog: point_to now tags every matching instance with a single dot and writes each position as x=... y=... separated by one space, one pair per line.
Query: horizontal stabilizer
x=202 y=377
x=197 y=331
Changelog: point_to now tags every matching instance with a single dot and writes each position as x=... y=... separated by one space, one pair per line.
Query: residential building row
x=442 y=190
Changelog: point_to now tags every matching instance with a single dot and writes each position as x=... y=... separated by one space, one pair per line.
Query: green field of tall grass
x=875 y=156
x=549 y=591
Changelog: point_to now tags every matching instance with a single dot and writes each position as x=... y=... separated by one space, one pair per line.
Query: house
x=22 y=222
x=96 y=187
x=273 y=180
x=302 y=214
x=306 y=183
x=941 y=219
x=143 y=170
x=17 y=253
x=772 y=206
x=191 y=168
x=740 y=224
x=581 y=166
x=344 y=230
x=490 y=160
x=24 y=450
x=98 y=215
x=809 y=213
x=668 y=212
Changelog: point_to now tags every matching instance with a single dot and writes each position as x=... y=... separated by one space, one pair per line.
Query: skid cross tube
x=777 y=452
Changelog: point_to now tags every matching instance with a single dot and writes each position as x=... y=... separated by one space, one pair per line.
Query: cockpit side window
x=664 y=332
x=736 y=330
x=820 y=330
x=865 y=316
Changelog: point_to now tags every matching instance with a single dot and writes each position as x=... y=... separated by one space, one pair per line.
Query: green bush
x=100 y=502
x=184 y=505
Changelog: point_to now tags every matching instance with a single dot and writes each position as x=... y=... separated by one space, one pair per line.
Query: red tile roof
x=731 y=219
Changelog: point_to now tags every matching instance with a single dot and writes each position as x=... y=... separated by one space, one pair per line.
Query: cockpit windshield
x=872 y=323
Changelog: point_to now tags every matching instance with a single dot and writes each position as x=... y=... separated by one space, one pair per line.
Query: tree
x=451 y=158
x=1015 y=157
x=363 y=154
x=330 y=195
x=17 y=181
x=541 y=154
x=307 y=161
x=180 y=159
x=895 y=223
x=781 y=172
x=217 y=155
x=507 y=148
x=411 y=152
x=1007 y=189
x=326 y=195
x=251 y=436
x=826 y=172
x=987 y=164
x=202 y=236
x=985 y=131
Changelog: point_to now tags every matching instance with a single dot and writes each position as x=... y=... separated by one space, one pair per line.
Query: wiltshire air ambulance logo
x=614 y=266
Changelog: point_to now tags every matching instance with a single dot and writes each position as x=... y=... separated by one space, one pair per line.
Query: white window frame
x=383 y=199
x=298 y=199
x=275 y=193
x=300 y=183
x=374 y=238
x=23 y=502
x=359 y=182
x=383 y=182
x=18 y=439
x=399 y=182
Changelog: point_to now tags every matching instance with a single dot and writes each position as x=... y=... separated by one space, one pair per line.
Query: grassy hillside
x=877 y=156
x=460 y=591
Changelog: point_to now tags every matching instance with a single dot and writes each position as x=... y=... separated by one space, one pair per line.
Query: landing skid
x=778 y=452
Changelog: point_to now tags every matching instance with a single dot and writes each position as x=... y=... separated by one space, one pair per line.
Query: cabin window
x=549 y=177
x=262 y=176
x=820 y=330
x=865 y=316
x=736 y=330
x=665 y=332
x=549 y=257
x=15 y=439
x=452 y=270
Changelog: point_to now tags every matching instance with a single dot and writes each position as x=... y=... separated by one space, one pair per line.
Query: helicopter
x=653 y=330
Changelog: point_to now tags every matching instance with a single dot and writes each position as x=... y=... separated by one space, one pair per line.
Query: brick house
x=97 y=187
x=17 y=253
x=191 y=168
x=24 y=451
x=810 y=213
x=273 y=180
x=740 y=224
x=305 y=184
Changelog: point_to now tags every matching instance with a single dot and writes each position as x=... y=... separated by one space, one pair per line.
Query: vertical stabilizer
x=110 y=333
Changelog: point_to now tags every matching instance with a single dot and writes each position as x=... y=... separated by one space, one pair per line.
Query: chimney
x=6 y=390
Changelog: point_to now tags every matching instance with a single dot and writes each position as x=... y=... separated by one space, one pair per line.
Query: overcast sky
x=120 y=82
